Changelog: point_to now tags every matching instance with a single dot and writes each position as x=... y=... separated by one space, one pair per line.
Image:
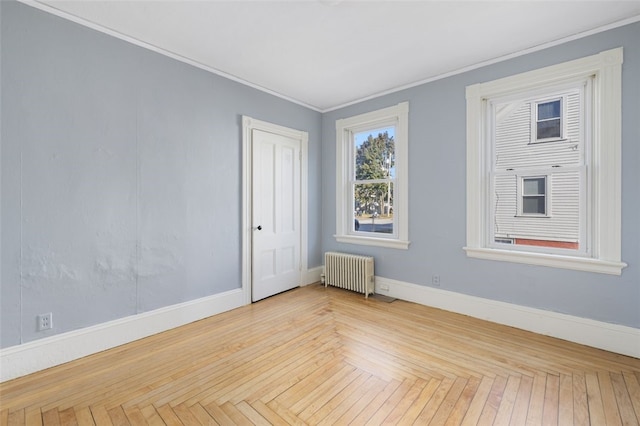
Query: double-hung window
x=534 y=196
x=543 y=166
x=371 y=178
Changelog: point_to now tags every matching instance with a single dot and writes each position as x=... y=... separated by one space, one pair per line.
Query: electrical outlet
x=44 y=321
x=435 y=280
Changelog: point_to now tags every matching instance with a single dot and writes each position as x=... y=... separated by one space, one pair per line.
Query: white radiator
x=349 y=271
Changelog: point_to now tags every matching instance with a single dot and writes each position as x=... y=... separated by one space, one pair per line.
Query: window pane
x=373 y=207
x=549 y=129
x=549 y=110
x=534 y=186
x=375 y=154
x=533 y=205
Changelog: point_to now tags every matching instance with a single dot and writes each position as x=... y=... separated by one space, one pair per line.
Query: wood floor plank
x=289 y=416
x=16 y=417
x=521 y=404
x=594 y=400
x=322 y=401
x=185 y=415
x=611 y=411
x=389 y=404
x=340 y=403
x=168 y=416
x=100 y=415
x=328 y=355
x=633 y=387
x=450 y=400
x=508 y=401
x=135 y=416
x=371 y=408
x=580 y=402
x=627 y=414
x=373 y=387
x=202 y=416
x=462 y=405
x=412 y=412
x=68 y=417
x=270 y=415
x=406 y=402
x=551 y=397
x=33 y=417
x=218 y=414
x=252 y=414
x=472 y=416
x=151 y=416
x=51 y=417
x=118 y=417
x=490 y=409
x=565 y=400
x=430 y=410
x=536 y=402
x=236 y=416
x=313 y=400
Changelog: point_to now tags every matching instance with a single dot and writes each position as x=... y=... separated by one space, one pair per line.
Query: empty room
x=319 y=212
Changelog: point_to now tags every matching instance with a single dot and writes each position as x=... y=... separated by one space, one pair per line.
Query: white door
x=276 y=214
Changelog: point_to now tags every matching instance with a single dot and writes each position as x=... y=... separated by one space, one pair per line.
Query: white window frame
x=604 y=202
x=398 y=117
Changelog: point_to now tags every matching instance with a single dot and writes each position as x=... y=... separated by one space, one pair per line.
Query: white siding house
x=537 y=170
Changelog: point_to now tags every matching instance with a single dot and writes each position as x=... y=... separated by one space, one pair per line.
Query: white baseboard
x=311 y=276
x=34 y=356
x=611 y=337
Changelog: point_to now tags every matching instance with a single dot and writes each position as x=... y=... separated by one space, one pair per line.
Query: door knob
x=259 y=228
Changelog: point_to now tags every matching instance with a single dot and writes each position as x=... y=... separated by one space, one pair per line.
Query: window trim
x=521 y=195
x=398 y=116
x=605 y=206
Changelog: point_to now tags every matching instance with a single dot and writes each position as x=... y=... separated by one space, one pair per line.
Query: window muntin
x=372 y=178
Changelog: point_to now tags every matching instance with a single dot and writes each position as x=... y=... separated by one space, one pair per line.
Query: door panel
x=276 y=214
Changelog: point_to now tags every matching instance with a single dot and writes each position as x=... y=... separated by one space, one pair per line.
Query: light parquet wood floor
x=328 y=356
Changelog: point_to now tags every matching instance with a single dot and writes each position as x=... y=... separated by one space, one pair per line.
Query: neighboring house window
x=371 y=178
x=548 y=120
x=513 y=178
x=534 y=196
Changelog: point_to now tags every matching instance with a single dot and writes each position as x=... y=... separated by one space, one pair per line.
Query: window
x=371 y=181
x=534 y=196
x=513 y=178
x=548 y=121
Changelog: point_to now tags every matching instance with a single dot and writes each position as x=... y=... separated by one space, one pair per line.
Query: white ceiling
x=325 y=54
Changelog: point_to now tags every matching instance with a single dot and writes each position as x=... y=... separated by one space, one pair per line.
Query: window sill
x=552 y=260
x=370 y=241
x=539 y=141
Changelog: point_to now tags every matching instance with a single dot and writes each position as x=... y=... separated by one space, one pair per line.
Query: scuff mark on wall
x=111 y=268
x=42 y=264
x=159 y=259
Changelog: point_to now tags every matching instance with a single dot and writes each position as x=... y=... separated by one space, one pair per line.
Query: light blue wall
x=437 y=195
x=121 y=176
x=121 y=182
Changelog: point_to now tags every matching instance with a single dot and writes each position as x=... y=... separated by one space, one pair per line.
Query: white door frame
x=248 y=125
